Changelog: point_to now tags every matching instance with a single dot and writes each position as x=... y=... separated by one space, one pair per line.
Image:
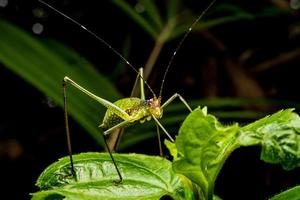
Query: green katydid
x=126 y=111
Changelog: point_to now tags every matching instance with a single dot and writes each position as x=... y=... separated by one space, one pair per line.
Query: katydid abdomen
x=136 y=108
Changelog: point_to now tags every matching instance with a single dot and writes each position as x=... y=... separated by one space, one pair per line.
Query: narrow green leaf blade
x=144 y=177
x=43 y=64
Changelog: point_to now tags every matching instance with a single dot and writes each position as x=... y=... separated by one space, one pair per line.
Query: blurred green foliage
x=43 y=63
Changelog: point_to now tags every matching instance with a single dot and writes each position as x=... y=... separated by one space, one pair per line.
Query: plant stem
x=159 y=43
x=153 y=58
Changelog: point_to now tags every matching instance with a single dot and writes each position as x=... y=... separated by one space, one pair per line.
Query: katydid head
x=154 y=107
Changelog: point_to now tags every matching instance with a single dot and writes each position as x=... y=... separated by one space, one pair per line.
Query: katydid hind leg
x=142 y=90
x=105 y=133
x=67 y=129
x=113 y=160
x=139 y=81
x=118 y=111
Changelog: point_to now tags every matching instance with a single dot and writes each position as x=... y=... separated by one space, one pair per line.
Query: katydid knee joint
x=66 y=79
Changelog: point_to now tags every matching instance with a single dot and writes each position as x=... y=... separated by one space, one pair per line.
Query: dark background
x=32 y=128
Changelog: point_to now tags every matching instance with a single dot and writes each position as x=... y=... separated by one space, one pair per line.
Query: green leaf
x=144 y=177
x=203 y=144
x=44 y=63
x=279 y=136
x=172 y=148
x=290 y=194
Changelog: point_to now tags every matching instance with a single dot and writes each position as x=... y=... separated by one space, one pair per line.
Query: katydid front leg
x=172 y=98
